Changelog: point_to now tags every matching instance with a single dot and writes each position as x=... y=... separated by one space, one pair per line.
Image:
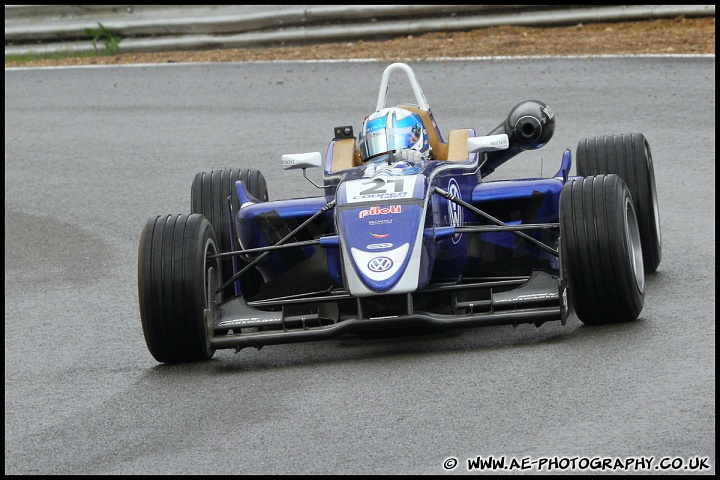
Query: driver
x=395 y=131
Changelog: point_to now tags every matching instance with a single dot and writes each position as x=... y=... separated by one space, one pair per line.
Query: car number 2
x=379 y=186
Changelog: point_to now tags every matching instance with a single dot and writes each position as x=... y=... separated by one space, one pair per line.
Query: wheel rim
x=211 y=272
x=211 y=282
x=634 y=246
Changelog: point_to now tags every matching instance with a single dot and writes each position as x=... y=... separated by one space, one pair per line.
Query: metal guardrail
x=43 y=29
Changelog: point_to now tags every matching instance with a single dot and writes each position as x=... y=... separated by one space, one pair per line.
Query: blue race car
x=408 y=231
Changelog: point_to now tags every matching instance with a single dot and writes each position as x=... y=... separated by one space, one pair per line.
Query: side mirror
x=292 y=161
x=488 y=143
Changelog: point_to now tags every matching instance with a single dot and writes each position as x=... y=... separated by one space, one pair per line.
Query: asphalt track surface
x=91 y=153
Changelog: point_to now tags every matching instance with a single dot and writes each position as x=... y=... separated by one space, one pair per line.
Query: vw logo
x=380 y=264
x=454 y=210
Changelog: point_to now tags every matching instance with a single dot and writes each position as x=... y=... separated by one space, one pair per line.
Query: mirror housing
x=488 y=143
x=292 y=161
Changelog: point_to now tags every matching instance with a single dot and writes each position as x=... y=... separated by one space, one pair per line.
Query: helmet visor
x=381 y=141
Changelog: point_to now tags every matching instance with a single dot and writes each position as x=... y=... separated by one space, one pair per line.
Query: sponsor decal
x=380 y=235
x=532 y=296
x=245 y=321
x=381 y=221
x=379 y=267
x=500 y=143
x=380 y=264
x=455 y=212
x=380 y=210
x=379 y=196
x=548 y=111
x=375 y=246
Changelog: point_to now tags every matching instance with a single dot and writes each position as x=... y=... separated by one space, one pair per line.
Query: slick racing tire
x=176 y=284
x=628 y=155
x=600 y=249
x=209 y=194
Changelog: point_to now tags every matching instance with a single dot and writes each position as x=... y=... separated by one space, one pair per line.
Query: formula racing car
x=408 y=231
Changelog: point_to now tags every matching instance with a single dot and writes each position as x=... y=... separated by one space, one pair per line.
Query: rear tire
x=629 y=156
x=174 y=286
x=601 y=249
x=209 y=194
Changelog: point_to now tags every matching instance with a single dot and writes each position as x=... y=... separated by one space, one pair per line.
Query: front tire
x=629 y=156
x=601 y=249
x=175 y=280
x=209 y=194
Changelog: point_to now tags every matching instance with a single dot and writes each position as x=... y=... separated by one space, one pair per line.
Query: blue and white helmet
x=392 y=129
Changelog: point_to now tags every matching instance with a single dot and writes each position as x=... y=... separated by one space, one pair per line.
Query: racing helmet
x=392 y=129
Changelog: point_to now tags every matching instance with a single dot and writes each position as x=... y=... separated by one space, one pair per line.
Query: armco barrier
x=38 y=29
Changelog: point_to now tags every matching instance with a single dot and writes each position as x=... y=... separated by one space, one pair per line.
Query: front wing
x=536 y=299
